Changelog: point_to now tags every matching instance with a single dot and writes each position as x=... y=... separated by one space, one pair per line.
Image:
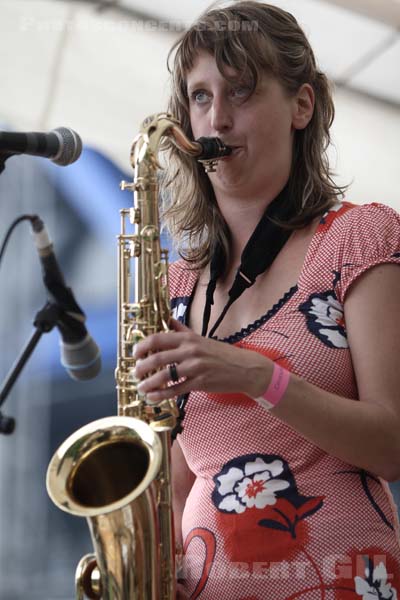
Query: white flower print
x=378 y=588
x=228 y=481
x=328 y=311
x=258 y=465
x=253 y=486
x=325 y=319
x=178 y=312
x=259 y=491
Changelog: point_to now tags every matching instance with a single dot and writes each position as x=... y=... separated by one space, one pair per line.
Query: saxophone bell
x=105 y=472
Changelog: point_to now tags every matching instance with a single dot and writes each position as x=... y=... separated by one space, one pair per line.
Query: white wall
x=366 y=133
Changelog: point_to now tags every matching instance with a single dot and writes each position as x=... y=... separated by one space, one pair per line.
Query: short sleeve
x=181 y=278
x=366 y=236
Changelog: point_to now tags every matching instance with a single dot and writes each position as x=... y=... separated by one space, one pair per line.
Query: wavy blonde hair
x=252 y=38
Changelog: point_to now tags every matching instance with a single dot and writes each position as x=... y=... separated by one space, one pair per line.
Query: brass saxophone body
x=116 y=471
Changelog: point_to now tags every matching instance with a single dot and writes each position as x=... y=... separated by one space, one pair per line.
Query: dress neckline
x=257 y=323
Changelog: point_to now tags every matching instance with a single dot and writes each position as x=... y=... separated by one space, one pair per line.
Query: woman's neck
x=242 y=215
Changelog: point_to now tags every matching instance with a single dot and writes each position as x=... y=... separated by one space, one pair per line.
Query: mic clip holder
x=44 y=321
x=3 y=157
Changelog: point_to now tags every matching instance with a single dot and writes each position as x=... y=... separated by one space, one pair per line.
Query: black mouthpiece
x=212 y=147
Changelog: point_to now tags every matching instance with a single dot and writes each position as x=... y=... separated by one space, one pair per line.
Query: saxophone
x=116 y=471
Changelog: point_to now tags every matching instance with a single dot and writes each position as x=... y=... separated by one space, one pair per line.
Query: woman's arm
x=365 y=434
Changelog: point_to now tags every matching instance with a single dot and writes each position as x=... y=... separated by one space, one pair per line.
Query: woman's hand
x=200 y=363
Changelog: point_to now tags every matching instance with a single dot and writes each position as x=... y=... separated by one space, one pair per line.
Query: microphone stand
x=44 y=321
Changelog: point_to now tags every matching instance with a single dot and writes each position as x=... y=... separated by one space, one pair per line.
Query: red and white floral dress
x=270 y=515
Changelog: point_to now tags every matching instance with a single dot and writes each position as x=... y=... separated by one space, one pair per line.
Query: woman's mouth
x=235 y=150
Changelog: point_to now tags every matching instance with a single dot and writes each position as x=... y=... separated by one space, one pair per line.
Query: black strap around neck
x=217 y=265
x=259 y=253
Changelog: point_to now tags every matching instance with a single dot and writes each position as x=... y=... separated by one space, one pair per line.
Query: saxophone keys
x=135 y=249
x=87 y=578
x=210 y=165
x=135 y=215
x=127 y=185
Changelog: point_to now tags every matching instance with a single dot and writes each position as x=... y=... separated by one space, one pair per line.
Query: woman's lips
x=235 y=150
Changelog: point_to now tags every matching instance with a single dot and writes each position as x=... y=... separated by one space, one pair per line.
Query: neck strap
x=259 y=253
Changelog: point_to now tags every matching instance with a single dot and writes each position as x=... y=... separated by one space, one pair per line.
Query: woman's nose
x=221 y=115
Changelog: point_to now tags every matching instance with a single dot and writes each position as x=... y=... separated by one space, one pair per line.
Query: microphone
x=80 y=354
x=62 y=145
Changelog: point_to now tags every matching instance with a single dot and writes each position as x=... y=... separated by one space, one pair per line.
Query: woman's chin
x=226 y=181
x=228 y=174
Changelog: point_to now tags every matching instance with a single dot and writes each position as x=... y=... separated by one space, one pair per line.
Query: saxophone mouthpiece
x=212 y=148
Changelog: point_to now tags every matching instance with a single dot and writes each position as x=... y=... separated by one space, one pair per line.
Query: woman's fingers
x=178 y=326
x=165 y=340
x=200 y=364
x=170 y=375
x=167 y=393
x=146 y=366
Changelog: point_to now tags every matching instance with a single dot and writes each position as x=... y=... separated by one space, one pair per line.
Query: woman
x=290 y=392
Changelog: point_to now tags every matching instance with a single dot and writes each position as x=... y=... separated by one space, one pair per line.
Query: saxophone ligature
x=116 y=471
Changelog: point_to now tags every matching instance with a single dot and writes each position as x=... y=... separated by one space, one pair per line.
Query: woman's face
x=259 y=125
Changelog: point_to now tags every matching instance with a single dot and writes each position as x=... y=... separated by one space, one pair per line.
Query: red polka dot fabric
x=270 y=515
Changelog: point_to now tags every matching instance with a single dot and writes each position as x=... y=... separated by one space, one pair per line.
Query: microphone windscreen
x=70 y=146
x=81 y=360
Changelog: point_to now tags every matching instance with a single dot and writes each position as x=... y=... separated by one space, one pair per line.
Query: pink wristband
x=276 y=388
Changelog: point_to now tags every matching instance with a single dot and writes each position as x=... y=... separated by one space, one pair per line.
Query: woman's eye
x=199 y=96
x=241 y=92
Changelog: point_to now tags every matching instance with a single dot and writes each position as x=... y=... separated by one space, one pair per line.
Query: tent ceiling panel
x=346 y=34
x=387 y=11
x=340 y=38
x=116 y=94
x=381 y=78
x=103 y=71
x=28 y=57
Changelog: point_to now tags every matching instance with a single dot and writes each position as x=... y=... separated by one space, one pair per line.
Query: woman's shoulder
x=346 y=217
x=355 y=238
x=182 y=268
x=182 y=278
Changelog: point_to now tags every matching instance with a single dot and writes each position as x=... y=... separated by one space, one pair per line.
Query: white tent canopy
x=101 y=70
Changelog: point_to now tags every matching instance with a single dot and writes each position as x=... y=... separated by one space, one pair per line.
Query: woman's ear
x=303 y=106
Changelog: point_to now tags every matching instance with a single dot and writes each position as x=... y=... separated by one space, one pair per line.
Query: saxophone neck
x=207 y=150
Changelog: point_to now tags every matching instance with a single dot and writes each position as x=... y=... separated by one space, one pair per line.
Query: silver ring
x=173 y=373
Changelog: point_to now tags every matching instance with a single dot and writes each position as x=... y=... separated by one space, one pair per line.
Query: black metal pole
x=19 y=364
x=44 y=322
